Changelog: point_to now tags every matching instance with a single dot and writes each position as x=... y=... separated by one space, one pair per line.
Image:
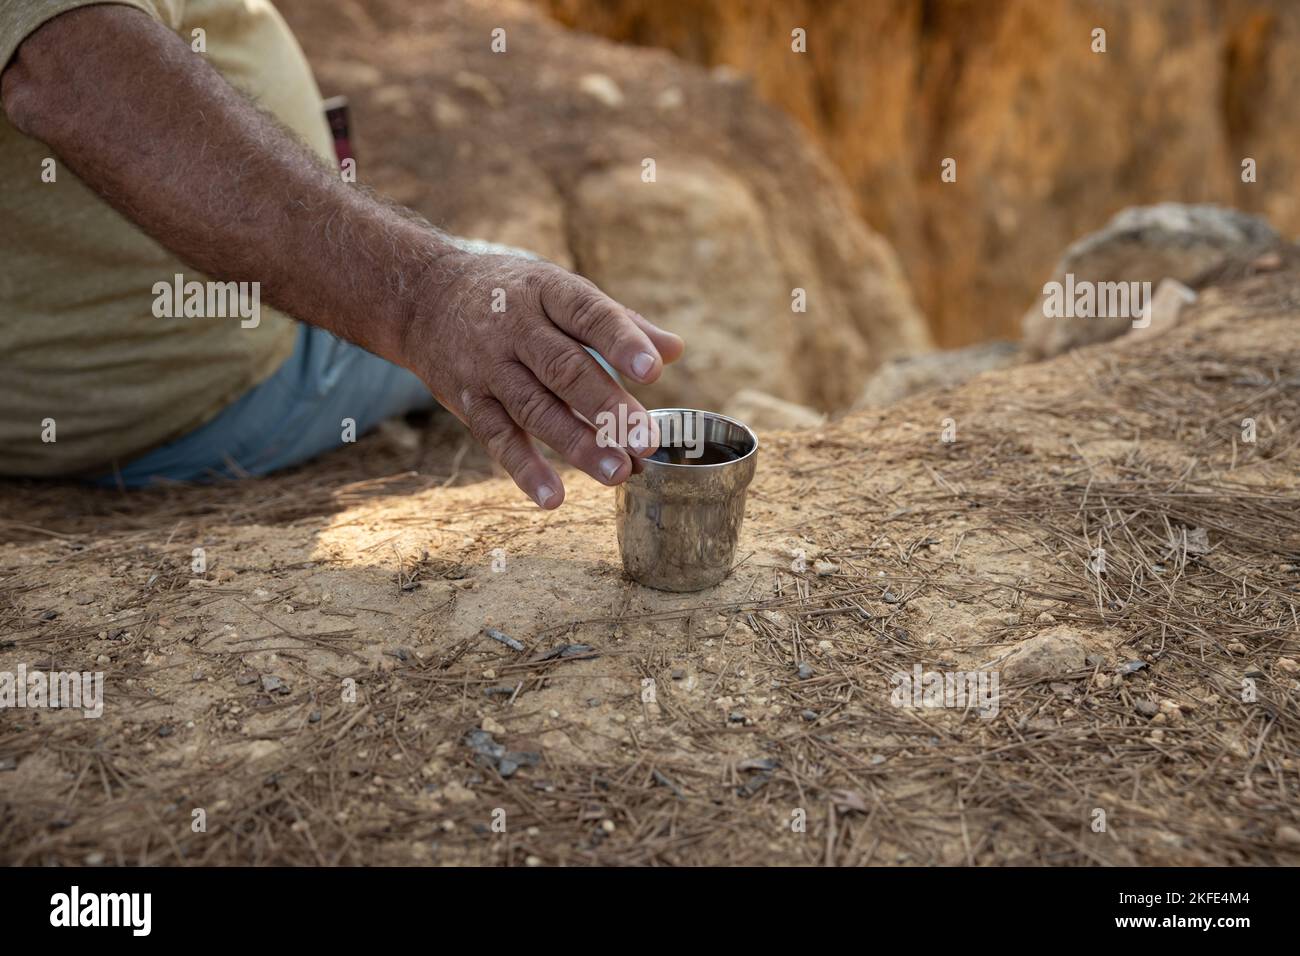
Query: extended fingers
x=539 y=412
x=505 y=441
x=569 y=371
x=670 y=346
x=581 y=310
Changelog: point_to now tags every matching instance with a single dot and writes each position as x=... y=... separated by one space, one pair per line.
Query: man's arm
x=157 y=132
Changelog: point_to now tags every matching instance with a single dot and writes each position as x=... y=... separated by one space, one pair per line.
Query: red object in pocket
x=337 y=115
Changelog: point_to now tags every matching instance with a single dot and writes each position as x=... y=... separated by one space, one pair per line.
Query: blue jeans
x=292 y=416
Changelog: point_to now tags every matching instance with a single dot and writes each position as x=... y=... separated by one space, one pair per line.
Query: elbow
x=20 y=98
x=31 y=91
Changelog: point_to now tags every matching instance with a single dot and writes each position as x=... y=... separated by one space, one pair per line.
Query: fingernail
x=545 y=495
x=643 y=364
x=609 y=467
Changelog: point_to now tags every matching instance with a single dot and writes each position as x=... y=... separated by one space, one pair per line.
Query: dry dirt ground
x=1147 y=711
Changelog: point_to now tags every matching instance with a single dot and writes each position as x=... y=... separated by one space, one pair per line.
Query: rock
x=804 y=671
x=273 y=685
x=1287 y=835
x=456 y=792
x=908 y=375
x=1165 y=308
x=488 y=751
x=1049 y=136
x=478 y=84
x=825 y=568
x=1142 y=244
x=670 y=99
x=763 y=412
x=1287 y=665
x=1053 y=653
x=746 y=233
x=601 y=88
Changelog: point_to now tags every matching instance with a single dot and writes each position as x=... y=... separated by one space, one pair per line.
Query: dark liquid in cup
x=713 y=453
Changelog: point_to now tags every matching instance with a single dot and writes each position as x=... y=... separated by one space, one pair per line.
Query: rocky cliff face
x=1050 y=138
x=673 y=188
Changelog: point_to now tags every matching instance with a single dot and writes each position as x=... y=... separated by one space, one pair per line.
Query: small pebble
x=271 y=684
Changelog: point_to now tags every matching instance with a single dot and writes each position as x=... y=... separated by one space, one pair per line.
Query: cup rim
x=649 y=463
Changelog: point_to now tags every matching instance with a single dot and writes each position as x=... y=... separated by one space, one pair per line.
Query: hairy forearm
x=154 y=129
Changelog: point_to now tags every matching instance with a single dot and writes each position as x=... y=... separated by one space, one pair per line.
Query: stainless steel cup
x=679 y=520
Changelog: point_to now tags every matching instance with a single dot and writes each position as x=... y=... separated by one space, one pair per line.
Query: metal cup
x=679 y=520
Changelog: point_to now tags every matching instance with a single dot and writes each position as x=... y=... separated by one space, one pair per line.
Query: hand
x=522 y=370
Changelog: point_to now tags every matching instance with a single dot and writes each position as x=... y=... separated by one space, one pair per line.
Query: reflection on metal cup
x=679 y=520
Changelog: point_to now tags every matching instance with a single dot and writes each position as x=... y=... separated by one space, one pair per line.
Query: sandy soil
x=751 y=723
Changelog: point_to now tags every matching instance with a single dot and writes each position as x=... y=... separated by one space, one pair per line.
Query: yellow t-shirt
x=79 y=340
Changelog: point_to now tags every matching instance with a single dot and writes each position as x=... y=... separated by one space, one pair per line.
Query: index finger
x=593 y=318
